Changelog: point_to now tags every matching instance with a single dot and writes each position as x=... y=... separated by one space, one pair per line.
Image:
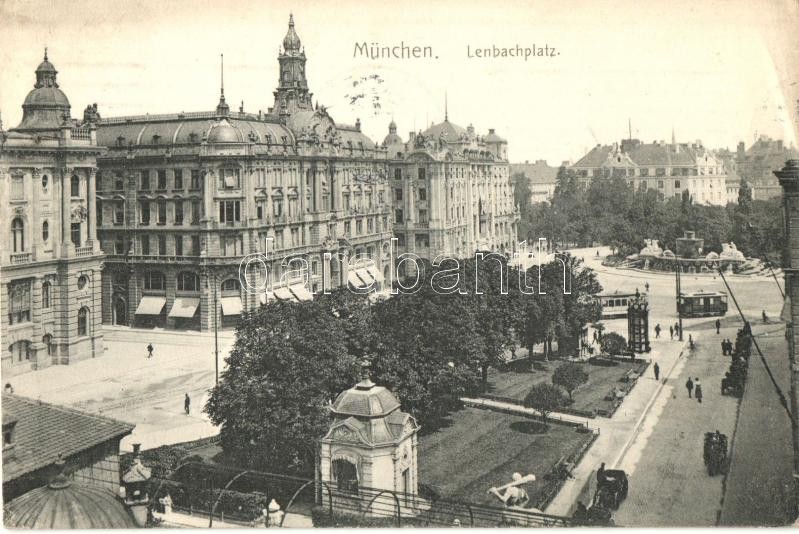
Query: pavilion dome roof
x=46 y=107
x=63 y=504
x=224 y=132
x=365 y=399
x=449 y=131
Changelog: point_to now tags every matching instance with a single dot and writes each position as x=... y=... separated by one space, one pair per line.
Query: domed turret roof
x=63 y=504
x=46 y=107
x=366 y=400
x=392 y=138
x=291 y=42
x=224 y=132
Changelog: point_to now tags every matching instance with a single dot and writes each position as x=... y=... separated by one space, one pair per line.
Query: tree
x=613 y=343
x=545 y=398
x=569 y=376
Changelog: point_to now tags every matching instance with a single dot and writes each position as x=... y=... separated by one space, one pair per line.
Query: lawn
x=518 y=377
x=480 y=449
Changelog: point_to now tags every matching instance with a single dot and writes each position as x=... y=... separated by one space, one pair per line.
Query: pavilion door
x=120 y=311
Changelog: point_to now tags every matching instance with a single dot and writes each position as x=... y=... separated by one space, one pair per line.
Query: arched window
x=21 y=351
x=346 y=475
x=47 y=339
x=83 y=321
x=18 y=235
x=188 y=281
x=74 y=186
x=46 y=295
x=154 y=280
x=45 y=231
x=231 y=284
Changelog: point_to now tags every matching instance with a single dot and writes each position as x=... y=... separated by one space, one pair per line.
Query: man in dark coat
x=187 y=404
x=689 y=385
x=718 y=326
x=698 y=390
x=657 y=371
x=671 y=332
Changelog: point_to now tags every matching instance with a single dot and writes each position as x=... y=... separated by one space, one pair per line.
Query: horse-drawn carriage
x=715 y=454
x=612 y=485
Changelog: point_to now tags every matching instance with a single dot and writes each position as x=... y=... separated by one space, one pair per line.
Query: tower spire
x=629 y=128
x=45 y=53
x=222 y=108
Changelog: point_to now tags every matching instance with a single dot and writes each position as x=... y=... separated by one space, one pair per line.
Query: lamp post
x=216 y=331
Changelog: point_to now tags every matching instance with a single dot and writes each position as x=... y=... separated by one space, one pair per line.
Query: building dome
x=224 y=132
x=392 y=138
x=63 y=504
x=365 y=400
x=291 y=42
x=448 y=131
x=46 y=107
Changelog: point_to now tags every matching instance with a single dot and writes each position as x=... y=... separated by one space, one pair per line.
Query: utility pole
x=216 y=339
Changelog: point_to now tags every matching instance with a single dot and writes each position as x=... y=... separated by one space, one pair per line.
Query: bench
x=629 y=376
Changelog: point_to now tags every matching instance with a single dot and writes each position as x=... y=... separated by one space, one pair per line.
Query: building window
x=18 y=235
x=83 y=321
x=74 y=186
x=423 y=216
x=99 y=212
x=76 y=234
x=195 y=245
x=162 y=245
x=161 y=183
x=422 y=240
x=154 y=281
x=162 y=212
x=398 y=174
x=370 y=225
x=19 y=302
x=229 y=211
x=231 y=284
x=277 y=207
x=195 y=212
x=660 y=184
x=178 y=212
x=119 y=182
x=400 y=239
x=259 y=212
x=45 y=231
x=145 y=245
x=676 y=184
x=145 y=181
x=229 y=178
x=17 y=188
x=46 y=295
x=178 y=179
x=119 y=245
x=22 y=351
x=119 y=212
x=178 y=245
x=188 y=281
x=47 y=339
x=45 y=181
x=398 y=216
x=82 y=281
x=644 y=172
x=398 y=194
x=422 y=173
x=358 y=227
x=195 y=179
x=347 y=227
x=144 y=209
x=422 y=193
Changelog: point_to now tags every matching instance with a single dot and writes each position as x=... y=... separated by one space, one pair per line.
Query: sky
x=705 y=69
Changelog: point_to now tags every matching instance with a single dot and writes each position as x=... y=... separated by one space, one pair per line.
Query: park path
x=669 y=485
x=617 y=432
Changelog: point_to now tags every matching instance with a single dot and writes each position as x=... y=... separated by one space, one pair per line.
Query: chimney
x=491 y=131
x=779 y=145
x=741 y=152
x=136 y=449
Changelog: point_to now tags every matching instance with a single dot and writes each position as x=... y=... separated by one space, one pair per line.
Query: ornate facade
x=451 y=191
x=183 y=198
x=50 y=259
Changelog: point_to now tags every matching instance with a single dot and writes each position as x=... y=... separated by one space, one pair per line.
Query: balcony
x=422 y=224
x=84 y=252
x=21 y=258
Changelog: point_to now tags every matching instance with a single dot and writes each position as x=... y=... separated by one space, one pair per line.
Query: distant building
x=37 y=435
x=50 y=258
x=730 y=168
x=668 y=168
x=757 y=164
x=451 y=191
x=542 y=179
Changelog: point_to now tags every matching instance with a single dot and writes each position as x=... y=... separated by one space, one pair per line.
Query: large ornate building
x=451 y=191
x=183 y=198
x=668 y=168
x=50 y=259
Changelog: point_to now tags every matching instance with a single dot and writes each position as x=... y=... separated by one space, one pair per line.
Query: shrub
x=613 y=343
x=545 y=398
x=569 y=376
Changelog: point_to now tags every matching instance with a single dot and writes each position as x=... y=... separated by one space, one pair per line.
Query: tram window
x=701 y=302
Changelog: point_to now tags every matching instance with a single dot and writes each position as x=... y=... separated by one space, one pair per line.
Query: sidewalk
x=617 y=433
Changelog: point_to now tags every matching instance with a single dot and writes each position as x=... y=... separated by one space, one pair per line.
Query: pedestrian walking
x=657 y=330
x=597 y=253
x=657 y=371
x=187 y=404
x=724 y=347
x=765 y=317
x=698 y=390
x=729 y=347
x=646 y=286
x=671 y=332
x=718 y=326
x=677 y=329
x=595 y=337
x=149 y=350
x=689 y=385
x=690 y=341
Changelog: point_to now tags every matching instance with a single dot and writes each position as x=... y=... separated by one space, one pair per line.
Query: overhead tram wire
x=781 y=396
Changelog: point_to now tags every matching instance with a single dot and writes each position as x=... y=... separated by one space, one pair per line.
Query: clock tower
x=292 y=89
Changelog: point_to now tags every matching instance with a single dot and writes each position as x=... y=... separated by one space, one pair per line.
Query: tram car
x=702 y=304
x=614 y=305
